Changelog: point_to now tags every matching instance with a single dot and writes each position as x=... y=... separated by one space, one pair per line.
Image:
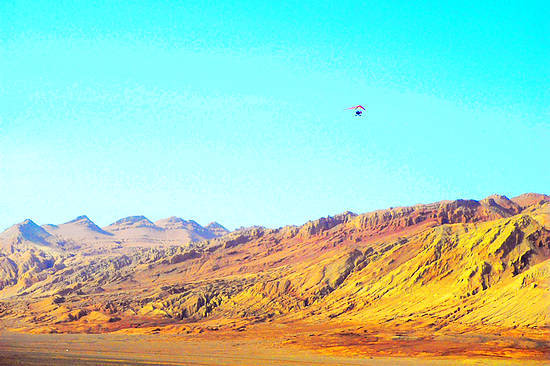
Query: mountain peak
x=175 y=219
x=138 y=221
x=25 y=231
x=132 y=220
x=529 y=199
x=27 y=225
x=83 y=222
x=83 y=217
x=216 y=228
x=177 y=223
x=172 y=222
x=80 y=219
x=498 y=197
x=27 y=222
x=501 y=204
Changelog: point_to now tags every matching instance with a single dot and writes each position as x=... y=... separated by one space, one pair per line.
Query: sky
x=234 y=111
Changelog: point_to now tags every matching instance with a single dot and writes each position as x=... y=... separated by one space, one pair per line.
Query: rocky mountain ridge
x=81 y=233
x=448 y=267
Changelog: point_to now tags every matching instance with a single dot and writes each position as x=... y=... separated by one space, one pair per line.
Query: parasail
x=358 y=110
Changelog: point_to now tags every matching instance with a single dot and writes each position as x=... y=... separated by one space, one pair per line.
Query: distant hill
x=217 y=229
x=83 y=233
x=26 y=234
x=192 y=228
x=130 y=223
x=79 y=229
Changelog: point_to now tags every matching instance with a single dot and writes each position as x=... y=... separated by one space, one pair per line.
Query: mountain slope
x=138 y=231
x=447 y=268
x=81 y=229
x=26 y=234
x=216 y=229
x=186 y=230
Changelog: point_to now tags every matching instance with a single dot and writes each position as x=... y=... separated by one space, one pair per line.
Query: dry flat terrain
x=112 y=349
x=450 y=282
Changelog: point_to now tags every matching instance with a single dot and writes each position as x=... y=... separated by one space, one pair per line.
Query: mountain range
x=83 y=234
x=462 y=276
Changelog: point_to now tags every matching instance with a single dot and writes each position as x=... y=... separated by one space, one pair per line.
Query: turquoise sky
x=234 y=111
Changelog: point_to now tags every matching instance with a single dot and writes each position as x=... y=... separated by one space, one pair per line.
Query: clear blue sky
x=228 y=112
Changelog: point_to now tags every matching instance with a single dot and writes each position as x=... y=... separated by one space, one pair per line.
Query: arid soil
x=116 y=349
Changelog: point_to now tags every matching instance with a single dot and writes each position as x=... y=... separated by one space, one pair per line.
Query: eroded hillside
x=439 y=270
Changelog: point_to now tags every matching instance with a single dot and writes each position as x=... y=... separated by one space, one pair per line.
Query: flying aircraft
x=358 y=110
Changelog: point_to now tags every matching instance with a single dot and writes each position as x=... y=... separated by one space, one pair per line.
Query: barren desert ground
x=118 y=349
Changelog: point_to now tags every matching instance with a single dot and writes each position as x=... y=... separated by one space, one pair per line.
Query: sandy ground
x=120 y=349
